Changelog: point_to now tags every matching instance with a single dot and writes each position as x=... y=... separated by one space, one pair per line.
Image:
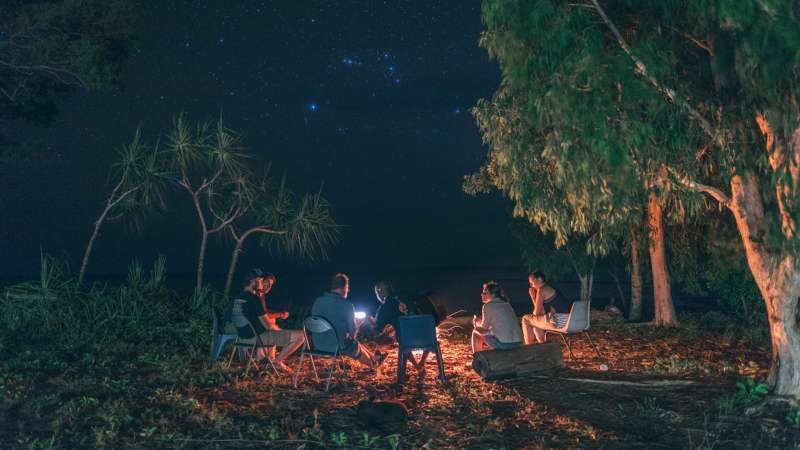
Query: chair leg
x=314 y=366
x=569 y=347
x=233 y=352
x=589 y=337
x=249 y=361
x=401 y=367
x=440 y=363
x=330 y=375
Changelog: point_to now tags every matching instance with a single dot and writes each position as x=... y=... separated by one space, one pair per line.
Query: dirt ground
x=662 y=389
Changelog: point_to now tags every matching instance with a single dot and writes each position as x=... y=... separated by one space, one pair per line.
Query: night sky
x=368 y=99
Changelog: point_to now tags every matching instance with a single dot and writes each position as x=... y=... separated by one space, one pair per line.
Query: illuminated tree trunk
x=636 y=280
x=662 y=295
x=777 y=275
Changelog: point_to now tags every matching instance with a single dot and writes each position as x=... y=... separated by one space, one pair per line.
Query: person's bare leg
x=365 y=356
x=477 y=342
x=528 y=331
x=296 y=339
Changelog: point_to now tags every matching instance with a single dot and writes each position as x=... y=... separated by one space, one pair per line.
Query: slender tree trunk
x=203 y=242
x=662 y=295
x=201 y=257
x=777 y=275
x=110 y=204
x=635 y=312
x=237 y=251
x=620 y=291
x=85 y=262
x=586 y=286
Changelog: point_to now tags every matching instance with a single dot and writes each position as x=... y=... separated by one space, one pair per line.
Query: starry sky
x=368 y=99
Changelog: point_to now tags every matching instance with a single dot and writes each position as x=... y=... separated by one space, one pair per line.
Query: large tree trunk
x=662 y=295
x=777 y=275
x=635 y=313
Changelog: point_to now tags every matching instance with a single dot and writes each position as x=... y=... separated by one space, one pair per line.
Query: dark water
x=459 y=288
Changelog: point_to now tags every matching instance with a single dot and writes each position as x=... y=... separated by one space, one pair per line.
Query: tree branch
x=692 y=185
x=641 y=69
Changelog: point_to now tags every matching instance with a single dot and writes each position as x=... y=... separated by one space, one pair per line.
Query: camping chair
x=417 y=332
x=318 y=331
x=247 y=348
x=578 y=321
x=219 y=336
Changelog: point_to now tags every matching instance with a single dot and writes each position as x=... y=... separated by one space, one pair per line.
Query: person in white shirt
x=498 y=327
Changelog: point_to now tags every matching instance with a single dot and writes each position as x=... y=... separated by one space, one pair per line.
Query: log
x=517 y=362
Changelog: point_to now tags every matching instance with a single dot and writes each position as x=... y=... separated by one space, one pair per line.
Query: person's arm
x=482 y=324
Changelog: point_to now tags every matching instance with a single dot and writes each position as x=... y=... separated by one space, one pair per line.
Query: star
x=313 y=107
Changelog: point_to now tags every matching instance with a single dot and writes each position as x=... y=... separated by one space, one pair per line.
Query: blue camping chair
x=322 y=341
x=219 y=337
x=417 y=333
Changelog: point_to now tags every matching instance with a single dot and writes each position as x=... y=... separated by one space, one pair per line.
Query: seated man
x=497 y=327
x=550 y=309
x=388 y=308
x=334 y=307
x=256 y=286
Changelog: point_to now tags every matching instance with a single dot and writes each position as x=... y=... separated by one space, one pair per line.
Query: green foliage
x=793 y=417
x=50 y=48
x=540 y=252
x=748 y=393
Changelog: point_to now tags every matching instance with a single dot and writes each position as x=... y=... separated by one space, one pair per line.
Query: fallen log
x=517 y=362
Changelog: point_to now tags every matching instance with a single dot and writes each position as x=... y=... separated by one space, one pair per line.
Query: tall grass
x=56 y=309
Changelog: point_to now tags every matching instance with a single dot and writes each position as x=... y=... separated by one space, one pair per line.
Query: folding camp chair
x=220 y=336
x=578 y=321
x=247 y=348
x=417 y=332
x=322 y=341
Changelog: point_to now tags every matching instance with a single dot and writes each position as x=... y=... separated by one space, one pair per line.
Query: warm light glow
x=417 y=353
x=361 y=315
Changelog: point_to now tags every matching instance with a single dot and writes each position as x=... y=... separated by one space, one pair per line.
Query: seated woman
x=550 y=309
x=497 y=327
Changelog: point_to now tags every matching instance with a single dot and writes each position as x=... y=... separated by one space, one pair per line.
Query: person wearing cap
x=336 y=309
x=256 y=286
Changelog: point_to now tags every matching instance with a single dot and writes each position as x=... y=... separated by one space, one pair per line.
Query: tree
x=704 y=93
x=210 y=164
x=51 y=48
x=540 y=253
x=139 y=181
x=296 y=227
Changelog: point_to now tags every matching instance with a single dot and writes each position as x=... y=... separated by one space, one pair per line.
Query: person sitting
x=388 y=309
x=334 y=307
x=256 y=286
x=550 y=309
x=497 y=328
